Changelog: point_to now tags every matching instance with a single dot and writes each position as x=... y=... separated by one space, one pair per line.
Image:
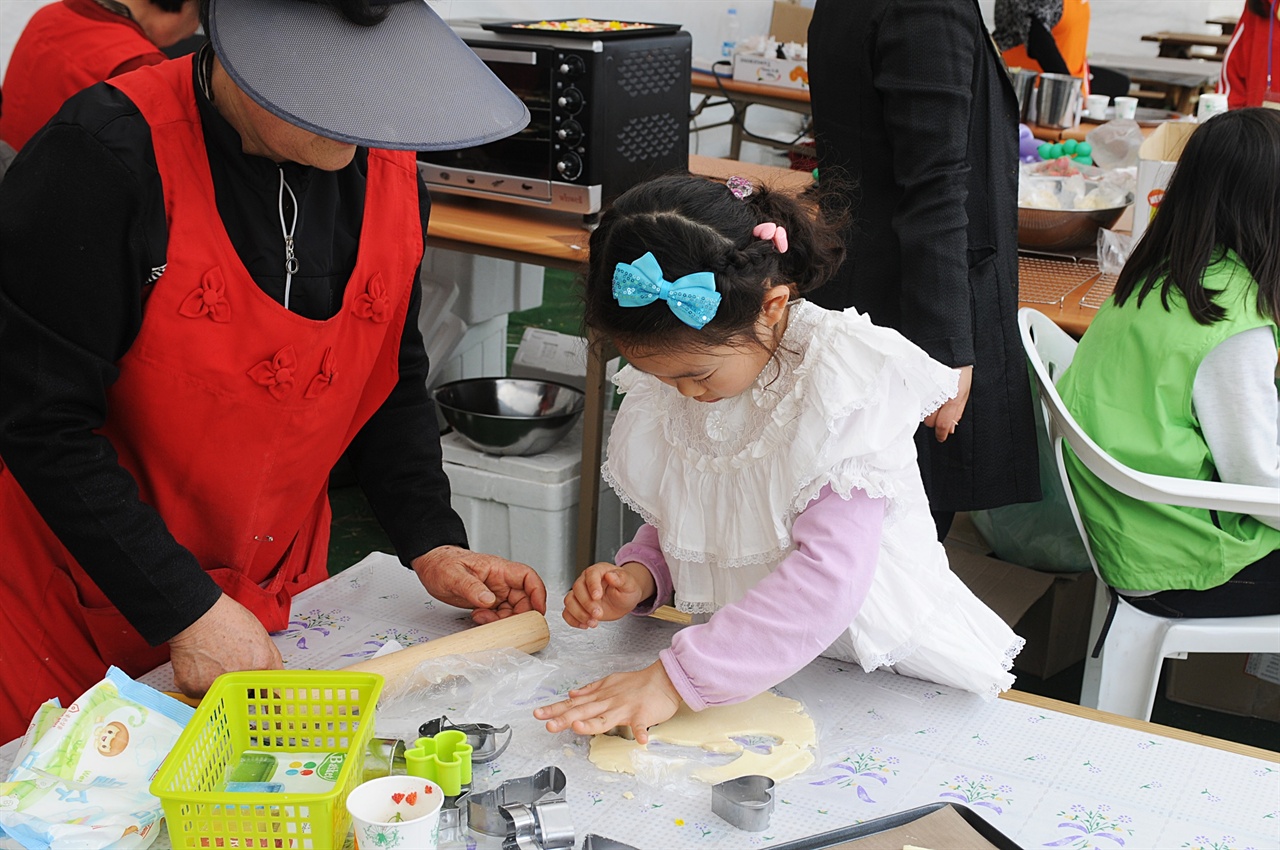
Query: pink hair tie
x=776 y=233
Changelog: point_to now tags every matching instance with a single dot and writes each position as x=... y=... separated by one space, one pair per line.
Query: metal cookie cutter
x=482 y=737
x=745 y=802
x=599 y=842
x=530 y=813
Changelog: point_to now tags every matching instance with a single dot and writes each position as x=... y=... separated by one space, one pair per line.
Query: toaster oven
x=606 y=112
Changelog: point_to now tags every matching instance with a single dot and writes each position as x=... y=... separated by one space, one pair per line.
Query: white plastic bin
x=526 y=508
x=480 y=353
x=487 y=286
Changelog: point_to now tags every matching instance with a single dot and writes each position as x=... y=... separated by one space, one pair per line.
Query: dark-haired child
x=768 y=445
x=1176 y=376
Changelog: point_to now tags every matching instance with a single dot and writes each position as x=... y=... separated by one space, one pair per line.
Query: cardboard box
x=790 y=22
x=1232 y=683
x=1051 y=611
x=1157 y=156
x=769 y=71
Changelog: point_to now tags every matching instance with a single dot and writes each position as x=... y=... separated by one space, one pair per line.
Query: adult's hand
x=639 y=699
x=226 y=639
x=493 y=587
x=943 y=421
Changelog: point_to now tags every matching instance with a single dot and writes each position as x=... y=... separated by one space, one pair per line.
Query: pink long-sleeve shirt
x=785 y=621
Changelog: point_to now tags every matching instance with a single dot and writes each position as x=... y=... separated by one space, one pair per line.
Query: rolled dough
x=713 y=729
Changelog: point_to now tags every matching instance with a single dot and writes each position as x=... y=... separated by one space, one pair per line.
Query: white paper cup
x=1095 y=106
x=1126 y=107
x=396 y=811
x=1210 y=105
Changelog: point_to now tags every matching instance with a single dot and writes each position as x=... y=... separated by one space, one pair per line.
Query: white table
x=1042 y=776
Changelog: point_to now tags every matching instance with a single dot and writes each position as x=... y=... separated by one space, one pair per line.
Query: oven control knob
x=570 y=133
x=570 y=100
x=570 y=166
x=572 y=67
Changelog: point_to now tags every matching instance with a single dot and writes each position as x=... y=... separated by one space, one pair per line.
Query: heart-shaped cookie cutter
x=745 y=802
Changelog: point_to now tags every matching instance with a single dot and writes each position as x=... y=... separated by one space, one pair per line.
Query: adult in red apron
x=71 y=45
x=229 y=410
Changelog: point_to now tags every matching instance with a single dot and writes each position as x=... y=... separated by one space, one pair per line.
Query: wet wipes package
x=82 y=775
x=261 y=772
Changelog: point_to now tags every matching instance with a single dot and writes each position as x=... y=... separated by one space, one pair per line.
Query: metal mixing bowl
x=510 y=416
x=1065 y=230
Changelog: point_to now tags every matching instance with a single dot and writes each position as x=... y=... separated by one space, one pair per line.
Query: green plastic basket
x=288 y=711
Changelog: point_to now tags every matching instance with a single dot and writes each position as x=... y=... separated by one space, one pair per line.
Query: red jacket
x=66 y=47
x=1244 y=67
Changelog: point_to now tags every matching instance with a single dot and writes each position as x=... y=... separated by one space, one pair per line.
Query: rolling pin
x=526 y=632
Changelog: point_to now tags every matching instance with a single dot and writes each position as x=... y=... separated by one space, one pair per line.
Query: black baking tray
x=526 y=27
x=845 y=834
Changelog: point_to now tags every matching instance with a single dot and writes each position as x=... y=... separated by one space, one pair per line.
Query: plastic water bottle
x=729 y=42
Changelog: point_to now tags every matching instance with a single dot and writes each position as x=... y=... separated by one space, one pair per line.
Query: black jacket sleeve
x=396 y=455
x=73 y=262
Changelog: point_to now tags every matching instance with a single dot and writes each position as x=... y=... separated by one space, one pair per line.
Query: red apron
x=229 y=412
x=59 y=53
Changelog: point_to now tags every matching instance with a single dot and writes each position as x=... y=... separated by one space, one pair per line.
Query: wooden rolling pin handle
x=526 y=632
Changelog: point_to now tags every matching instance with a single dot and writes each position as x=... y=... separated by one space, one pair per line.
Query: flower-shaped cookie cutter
x=484 y=739
x=445 y=759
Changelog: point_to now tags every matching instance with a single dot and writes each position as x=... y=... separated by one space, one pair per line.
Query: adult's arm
x=397 y=456
x=73 y=261
x=792 y=615
x=925 y=54
x=1235 y=62
x=1234 y=396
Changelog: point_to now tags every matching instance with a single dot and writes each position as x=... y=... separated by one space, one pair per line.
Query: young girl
x=767 y=443
x=1193 y=322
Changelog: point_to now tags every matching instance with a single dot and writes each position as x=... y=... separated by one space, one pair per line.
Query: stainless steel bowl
x=1064 y=230
x=510 y=416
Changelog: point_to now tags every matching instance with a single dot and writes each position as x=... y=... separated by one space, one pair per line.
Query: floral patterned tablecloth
x=887 y=743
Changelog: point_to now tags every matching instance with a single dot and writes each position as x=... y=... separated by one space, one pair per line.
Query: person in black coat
x=916 y=121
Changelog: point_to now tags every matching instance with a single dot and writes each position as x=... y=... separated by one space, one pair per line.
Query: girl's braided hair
x=694 y=224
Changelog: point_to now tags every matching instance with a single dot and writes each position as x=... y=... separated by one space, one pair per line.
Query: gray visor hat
x=407 y=83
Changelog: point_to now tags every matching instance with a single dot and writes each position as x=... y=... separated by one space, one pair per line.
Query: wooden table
x=1183 y=79
x=559 y=240
x=1227 y=23
x=723 y=90
x=1182 y=45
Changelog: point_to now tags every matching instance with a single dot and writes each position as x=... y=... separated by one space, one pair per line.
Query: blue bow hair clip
x=693 y=298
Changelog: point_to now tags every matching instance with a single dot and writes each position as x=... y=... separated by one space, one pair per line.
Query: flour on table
x=779 y=739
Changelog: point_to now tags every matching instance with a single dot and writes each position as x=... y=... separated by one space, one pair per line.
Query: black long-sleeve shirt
x=83 y=236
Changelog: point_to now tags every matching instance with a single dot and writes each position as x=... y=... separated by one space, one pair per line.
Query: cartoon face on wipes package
x=111 y=740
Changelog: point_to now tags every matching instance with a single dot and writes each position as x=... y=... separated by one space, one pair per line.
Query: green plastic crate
x=288 y=711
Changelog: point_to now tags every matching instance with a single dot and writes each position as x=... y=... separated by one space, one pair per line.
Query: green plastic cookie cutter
x=445 y=759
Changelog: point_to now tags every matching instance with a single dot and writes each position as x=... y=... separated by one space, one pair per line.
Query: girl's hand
x=944 y=420
x=639 y=699
x=604 y=592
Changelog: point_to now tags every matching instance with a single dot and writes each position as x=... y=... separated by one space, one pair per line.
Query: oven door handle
x=511 y=57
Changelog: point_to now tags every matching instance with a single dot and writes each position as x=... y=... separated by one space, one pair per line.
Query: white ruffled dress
x=722 y=484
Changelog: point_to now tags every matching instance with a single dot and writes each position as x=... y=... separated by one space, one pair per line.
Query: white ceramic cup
x=1095 y=106
x=1210 y=105
x=396 y=811
x=1126 y=107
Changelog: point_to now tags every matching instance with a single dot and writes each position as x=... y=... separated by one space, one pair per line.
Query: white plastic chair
x=1123 y=679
